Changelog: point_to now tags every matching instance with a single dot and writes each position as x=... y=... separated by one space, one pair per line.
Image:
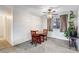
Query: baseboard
x=19 y=42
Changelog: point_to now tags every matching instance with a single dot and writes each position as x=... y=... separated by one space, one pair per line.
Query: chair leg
x=75 y=45
x=46 y=37
x=35 y=43
x=39 y=41
x=70 y=44
x=31 y=43
x=42 y=38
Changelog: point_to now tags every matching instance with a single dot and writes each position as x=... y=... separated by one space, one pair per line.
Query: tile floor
x=50 y=46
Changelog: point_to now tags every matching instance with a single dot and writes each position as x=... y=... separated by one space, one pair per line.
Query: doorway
x=63 y=23
x=57 y=23
x=5 y=32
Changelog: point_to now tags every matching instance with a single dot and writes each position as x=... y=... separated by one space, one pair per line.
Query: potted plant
x=71 y=25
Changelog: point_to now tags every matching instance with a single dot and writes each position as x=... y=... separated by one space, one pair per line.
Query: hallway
x=4 y=44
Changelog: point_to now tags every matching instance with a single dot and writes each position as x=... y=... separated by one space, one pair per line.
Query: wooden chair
x=72 y=43
x=35 y=38
x=73 y=39
x=45 y=32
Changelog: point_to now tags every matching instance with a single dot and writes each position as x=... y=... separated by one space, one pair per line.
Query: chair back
x=33 y=33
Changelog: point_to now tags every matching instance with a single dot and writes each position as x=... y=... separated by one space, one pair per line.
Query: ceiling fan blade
x=54 y=7
x=44 y=12
x=54 y=14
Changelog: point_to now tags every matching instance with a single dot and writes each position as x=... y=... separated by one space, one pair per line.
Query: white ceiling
x=44 y=8
x=61 y=8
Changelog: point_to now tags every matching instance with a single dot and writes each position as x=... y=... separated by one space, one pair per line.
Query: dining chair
x=35 y=38
x=45 y=32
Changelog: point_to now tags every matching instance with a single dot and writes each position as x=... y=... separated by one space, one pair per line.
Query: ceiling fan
x=51 y=10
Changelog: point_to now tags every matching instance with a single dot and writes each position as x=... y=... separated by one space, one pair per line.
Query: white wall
x=44 y=21
x=25 y=18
